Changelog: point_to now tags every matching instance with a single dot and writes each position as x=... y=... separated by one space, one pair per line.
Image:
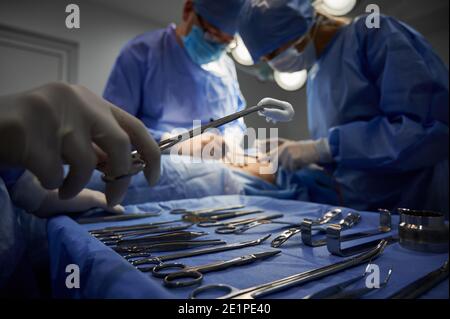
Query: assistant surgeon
x=170 y=77
x=377 y=102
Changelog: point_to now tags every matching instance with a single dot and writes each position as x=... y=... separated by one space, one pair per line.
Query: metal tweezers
x=157 y=230
x=165 y=237
x=422 y=285
x=122 y=229
x=339 y=291
x=115 y=218
x=167 y=246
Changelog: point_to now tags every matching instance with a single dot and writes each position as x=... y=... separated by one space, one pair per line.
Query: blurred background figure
x=377 y=103
x=170 y=77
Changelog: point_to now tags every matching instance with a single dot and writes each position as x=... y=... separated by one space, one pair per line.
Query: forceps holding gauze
x=284 y=112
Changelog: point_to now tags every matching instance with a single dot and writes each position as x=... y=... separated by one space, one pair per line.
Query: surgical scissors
x=160 y=259
x=178 y=278
x=139 y=164
x=291 y=281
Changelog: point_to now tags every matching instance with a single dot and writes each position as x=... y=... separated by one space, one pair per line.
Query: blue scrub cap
x=266 y=25
x=223 y=14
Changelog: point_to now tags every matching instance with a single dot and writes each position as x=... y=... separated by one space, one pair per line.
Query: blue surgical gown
x=381 y=98
x=23 y=245
x=155 y=80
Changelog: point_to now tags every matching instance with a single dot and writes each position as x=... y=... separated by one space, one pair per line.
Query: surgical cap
x=223 y=14
x=266 y=25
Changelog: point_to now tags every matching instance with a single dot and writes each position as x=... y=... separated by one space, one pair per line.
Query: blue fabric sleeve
x=238 y=125
x=10 y=176
x=411 y=130
x=123 y=88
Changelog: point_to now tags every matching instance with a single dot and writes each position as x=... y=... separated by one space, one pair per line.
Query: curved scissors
x=179 y=278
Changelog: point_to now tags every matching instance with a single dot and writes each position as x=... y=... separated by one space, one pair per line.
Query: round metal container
x=423 y=231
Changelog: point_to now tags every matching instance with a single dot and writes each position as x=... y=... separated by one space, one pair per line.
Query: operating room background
x=106 y=25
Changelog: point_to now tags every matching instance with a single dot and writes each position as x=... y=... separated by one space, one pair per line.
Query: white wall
x=102 y=34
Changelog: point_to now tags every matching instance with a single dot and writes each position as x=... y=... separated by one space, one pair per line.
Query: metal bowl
x=424 y=231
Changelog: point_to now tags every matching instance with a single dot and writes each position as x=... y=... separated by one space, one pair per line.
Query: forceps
x=172 y=236
x=244 y=228
x=233 y=226
x=166 y=246
x=139 y=164
x=219 y=216
x=123 y=229
x=114 y=218
x=178 y=278
x=291 y=281
x=205 y=211
x=157 y=230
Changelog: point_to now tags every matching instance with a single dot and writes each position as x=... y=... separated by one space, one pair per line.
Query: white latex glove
x=294 y=155
x=285 y=114
x=56 y=123
x=28 y=194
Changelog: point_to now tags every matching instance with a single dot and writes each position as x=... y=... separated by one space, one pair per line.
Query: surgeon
x=170 y=77
x=377 y=104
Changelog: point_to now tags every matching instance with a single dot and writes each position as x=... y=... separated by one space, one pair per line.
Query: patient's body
x=255 y=167
x=183 y=178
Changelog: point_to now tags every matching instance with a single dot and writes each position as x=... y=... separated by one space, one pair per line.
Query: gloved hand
x=276 y=115
x=294 y=155
x=42 y=128
x=29 y=195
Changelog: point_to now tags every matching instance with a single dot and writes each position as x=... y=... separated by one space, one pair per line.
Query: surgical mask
x=201 y=50
x=291 y=60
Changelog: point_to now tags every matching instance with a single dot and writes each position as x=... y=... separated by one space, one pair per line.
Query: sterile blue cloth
x=155 y=79
x=268 y=25
x=223 y=14
x=384 y=107
x=23 y=249
x=104 y=274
